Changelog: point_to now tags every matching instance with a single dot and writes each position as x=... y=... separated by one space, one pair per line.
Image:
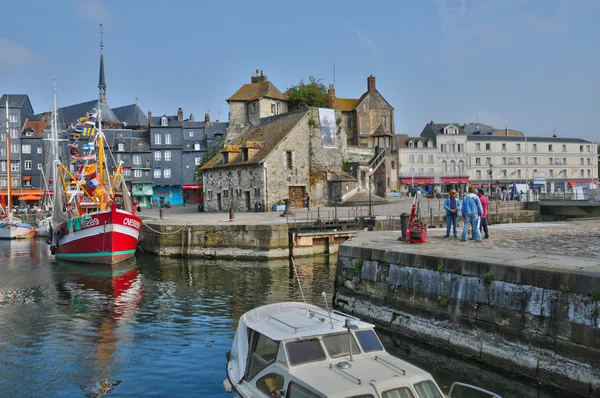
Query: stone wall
x=279 y=177
x=370 y=111
x=538 y=321
x=216 y=241
x=237 y=181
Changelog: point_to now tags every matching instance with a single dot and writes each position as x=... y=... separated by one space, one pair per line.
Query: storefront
x=457 y=183
x=423 y=182
x=142 y=193
x=173 y=194
x=193 y=194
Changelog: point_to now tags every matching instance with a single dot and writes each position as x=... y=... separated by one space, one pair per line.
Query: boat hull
x=105 y=237
x=15 y=232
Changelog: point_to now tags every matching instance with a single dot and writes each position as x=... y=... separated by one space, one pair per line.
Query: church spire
x=101 y=80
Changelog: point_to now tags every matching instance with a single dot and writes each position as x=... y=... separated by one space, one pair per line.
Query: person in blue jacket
x=452 y=207
x=471 y=210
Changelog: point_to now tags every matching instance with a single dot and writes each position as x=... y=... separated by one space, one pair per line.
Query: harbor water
x=159 y=327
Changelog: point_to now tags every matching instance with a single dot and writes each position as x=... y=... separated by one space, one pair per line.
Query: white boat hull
x=14 y=232
x=43 y=229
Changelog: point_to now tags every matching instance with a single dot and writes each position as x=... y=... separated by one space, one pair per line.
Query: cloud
x=486 y=117
x=368 y=43
x=92 y=9
x=15 y=55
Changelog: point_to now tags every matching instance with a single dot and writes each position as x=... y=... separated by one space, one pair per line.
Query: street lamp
x=370 y=174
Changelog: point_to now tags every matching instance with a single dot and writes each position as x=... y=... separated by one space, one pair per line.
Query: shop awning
x=26 y=178
x=455 y=180
x=418 y=181
x=30 y=197
x=574 y=183
x=192 y=187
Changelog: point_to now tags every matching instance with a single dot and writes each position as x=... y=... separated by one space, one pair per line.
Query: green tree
x=304 y=95
x=210 y=153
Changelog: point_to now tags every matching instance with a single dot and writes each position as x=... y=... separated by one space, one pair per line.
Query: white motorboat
x=299 y=350
x=42 y=227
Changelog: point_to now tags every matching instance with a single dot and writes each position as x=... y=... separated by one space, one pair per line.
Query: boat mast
x=8 y=165
x=53 y=146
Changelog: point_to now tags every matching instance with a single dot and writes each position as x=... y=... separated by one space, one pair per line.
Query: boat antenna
x=299 y=284
x=327 y=306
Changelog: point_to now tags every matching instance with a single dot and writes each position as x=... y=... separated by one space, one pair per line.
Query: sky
x=531 y=66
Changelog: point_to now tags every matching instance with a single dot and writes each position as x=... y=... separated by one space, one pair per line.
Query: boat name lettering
x=92 y=222
x=131 y=223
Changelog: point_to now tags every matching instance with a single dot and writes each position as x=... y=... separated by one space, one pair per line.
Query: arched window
x=461 y=166
x=164 y=121
x=444 y=166
x=411 y=144
x=478 y=174
x=430 y=144
x=581 y=173
x=420 y=144
x=452 y=166
x=504 y=173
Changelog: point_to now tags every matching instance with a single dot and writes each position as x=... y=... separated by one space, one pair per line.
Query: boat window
x=368 y=340
x=337 y=344
x=264 y=353
x=271 y=385
x=402 y=392
x=428 y=389
x=362 y=396
x=304 y=351
x=296 y=391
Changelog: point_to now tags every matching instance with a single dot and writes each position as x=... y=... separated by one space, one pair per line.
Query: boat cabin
x=295 y=350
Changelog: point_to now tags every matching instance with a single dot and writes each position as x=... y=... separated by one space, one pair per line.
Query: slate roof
x=255 y=91
x=345 y=104
x=173 y=122
x=438 y=128
x=403 y=140
x=70 y=114
x=481 y=128
x=270 y=133
x=529 y=139
x=131 y=115
x=14 y=100
x=36 y=127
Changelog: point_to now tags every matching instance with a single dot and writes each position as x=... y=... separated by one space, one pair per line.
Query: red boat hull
x=106 y=237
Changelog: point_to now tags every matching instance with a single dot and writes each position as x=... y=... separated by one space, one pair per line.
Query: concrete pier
x=527 y=300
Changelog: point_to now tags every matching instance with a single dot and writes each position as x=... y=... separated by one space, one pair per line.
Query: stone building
x=269 y=162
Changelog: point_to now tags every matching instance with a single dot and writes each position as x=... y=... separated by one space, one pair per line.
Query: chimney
x=431 y=123
x=371 y=84
x=254 y=77
x=261 y=78
x=180 y=114
x=331 y=95
x=149 y=118
x=192 y=117
x=206 y=118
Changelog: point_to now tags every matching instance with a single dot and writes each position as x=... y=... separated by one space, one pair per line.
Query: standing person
x=452 y=207
x=484 y=206
x=472 y=210
x=307 y=202
x=418 y=193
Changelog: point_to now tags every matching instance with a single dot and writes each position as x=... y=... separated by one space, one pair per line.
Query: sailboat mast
x=53 y=147
x=8 y=165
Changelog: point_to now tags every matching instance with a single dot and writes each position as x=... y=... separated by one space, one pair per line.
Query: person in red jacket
x=484 y=203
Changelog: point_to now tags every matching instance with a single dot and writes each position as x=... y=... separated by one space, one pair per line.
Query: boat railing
x=345 y=315
x=284 y=323
x=472 y=387
x=389 y=364
x=333 y=367
x=313 y=314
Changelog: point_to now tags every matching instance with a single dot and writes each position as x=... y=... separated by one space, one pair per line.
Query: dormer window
x=225 y=157
x=430 y=144
x=196 y=146
x=121 y=146
x=411 y=144
x=420 y=144
x=164 y=121
x=29 y=133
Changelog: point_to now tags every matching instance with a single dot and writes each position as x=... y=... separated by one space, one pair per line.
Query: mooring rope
x=164 y=233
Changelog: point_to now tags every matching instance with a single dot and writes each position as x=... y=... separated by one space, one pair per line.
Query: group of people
x=474 y=208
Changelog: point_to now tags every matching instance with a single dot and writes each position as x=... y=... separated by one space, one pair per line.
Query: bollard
x=404 y=219
x=231 y=214
x=160 y=213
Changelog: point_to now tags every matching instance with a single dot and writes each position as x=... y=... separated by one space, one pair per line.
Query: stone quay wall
x=530 y=313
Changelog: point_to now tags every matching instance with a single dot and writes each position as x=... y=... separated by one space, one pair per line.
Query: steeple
x=101 y=81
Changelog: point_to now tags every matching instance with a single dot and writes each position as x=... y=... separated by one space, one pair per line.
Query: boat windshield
x=337 y=344
x=428 y=389
x=303 y=351
x=402 y=392
x=368 y=340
